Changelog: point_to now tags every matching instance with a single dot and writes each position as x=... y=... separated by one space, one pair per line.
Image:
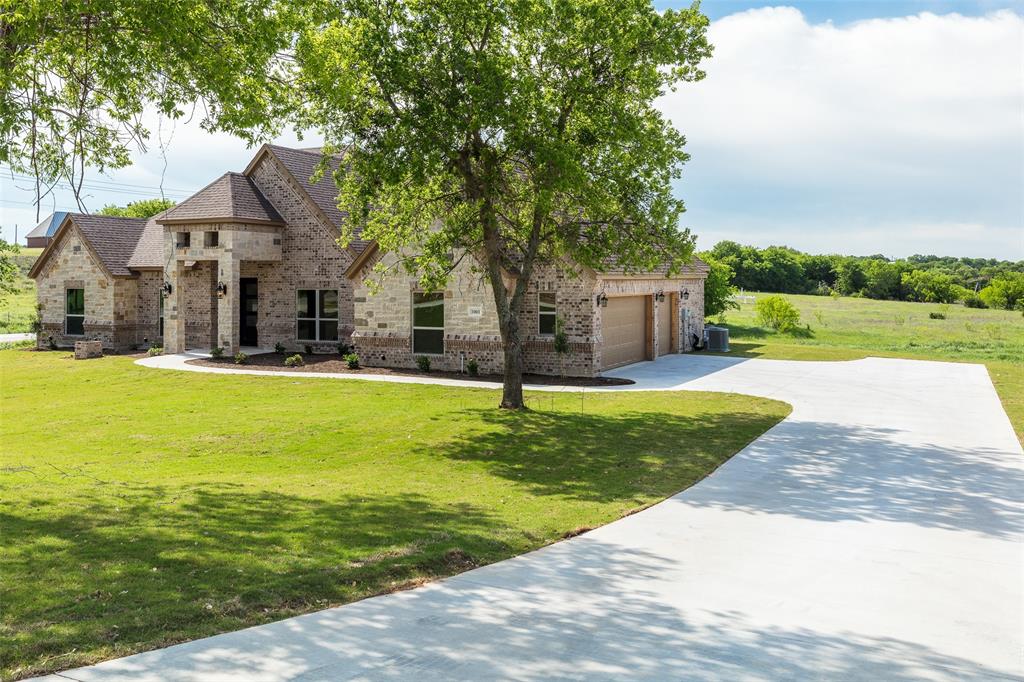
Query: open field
x=17 y=309
x=850 y=328
x=142 y=508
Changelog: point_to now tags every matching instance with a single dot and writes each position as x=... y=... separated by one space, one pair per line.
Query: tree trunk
x=512 y=389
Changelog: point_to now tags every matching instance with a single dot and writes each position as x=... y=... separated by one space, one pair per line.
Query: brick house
x=252 y=260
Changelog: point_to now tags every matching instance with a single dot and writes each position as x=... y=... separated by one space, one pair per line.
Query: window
x=317 y=315
x=428 y=323
x=211 y=238
x=74 y=312
x=161 y=313
x=183 y=240
x=546 y=308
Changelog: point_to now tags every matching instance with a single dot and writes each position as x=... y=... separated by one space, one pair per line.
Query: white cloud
x=908 y=121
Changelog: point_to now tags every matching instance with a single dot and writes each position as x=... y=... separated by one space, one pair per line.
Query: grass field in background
x=142 y=508
x=850 y=328
x=17 y=309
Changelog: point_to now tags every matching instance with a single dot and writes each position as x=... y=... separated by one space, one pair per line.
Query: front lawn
x=142 y=507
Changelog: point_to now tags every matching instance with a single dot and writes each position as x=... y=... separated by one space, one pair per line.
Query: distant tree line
x=976 y=282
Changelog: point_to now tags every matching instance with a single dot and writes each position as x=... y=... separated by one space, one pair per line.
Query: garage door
x=665 y=326
x=624 y=329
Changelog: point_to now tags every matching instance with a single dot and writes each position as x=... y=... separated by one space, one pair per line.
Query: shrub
x=279 y=348
x=294 y=361
x=352 y=360
x=472 y=367
x=344 y=348
x=972 y=300
x=423 y=362
x=308 y=348
x=1006 y=291
x=241 y=358
x=936 y=316
x=777 y=313
x=154 y=351
x=217 y=353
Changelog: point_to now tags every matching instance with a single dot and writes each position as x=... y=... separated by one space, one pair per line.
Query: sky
x=855 y=127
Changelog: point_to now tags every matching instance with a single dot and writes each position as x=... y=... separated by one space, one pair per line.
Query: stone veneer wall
x=310 y=259
x=383 y=319
x=383 y=322
x=149 y=287
x=72 y=266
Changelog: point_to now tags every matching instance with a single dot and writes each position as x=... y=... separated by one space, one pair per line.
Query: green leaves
x=77 y=75
x=470 y=125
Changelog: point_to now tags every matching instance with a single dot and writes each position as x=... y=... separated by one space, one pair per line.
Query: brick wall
x=72 y=266
x=310 y=259
x=383 y=318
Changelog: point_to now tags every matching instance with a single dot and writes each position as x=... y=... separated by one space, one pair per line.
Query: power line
x=99 y=184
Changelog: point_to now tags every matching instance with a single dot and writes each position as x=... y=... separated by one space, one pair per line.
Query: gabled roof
x=49 y=226
x=111 y=239
x=232 y=197
x=301 y=164
x=149 y=251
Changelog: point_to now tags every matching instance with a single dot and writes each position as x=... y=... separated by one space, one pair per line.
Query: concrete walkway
x=875 y=534
x=15 y=338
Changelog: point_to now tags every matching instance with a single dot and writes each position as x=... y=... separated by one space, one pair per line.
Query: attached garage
x=624 y=330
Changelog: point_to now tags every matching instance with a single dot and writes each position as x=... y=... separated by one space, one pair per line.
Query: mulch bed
x=335 y=365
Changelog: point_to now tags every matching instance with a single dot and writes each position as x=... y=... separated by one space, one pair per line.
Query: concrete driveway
x=876 y=534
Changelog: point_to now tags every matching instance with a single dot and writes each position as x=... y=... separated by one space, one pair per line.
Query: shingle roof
x=113 y=239
x=49 y=226
x=149 y=251
x=302 y=163
x=232 y=196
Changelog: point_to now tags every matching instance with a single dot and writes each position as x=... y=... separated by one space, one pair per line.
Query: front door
x=248 y=315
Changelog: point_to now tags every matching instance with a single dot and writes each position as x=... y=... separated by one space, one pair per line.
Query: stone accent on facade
x=383 y=319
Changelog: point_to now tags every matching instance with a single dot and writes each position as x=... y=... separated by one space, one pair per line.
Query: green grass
x=852 y=328
x=141 y=508
x=17 y=309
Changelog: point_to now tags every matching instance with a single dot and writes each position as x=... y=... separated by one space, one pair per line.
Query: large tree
x=512 y=132
x=76 y=77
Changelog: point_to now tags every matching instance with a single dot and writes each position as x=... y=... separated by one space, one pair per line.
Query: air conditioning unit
x=716 y=339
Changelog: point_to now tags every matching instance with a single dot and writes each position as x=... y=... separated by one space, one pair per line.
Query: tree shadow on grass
x=592 y=609
x=605 y=457
x=133 y=567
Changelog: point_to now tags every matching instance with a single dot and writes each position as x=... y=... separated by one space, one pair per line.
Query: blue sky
x=852 y=127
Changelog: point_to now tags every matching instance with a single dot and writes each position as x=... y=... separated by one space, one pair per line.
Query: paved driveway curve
x=875 y=534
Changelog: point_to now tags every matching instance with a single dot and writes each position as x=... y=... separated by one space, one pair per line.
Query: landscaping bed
x=335 y=364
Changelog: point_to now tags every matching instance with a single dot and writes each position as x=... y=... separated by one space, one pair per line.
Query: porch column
x=174 y=310
x=228 y=305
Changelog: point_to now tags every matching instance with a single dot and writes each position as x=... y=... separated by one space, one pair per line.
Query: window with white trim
x=546 y=313
x=317 y=315
x=428 y=323
x=74 y=312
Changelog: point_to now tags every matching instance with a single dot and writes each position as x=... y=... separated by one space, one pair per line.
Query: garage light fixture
x=602 y=300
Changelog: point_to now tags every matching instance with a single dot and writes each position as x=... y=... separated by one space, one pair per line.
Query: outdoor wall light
x=686 y=294
x=221 y=289
x=602 y=300
x=167 y=288
x=660 y=297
